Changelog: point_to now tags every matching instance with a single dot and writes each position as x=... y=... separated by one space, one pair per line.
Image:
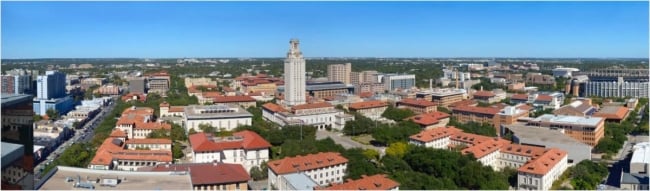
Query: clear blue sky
x=326 y=29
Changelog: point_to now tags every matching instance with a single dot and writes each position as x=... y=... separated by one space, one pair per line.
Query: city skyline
x=328 y=29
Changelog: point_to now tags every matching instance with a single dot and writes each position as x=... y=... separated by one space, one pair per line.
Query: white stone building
x=320 y=115
x=322 y=168
x=222 y=116
x=246 y=148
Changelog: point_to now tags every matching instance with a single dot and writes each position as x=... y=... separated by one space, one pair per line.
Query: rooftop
x=302 y=163
x=206 y=173
x=474 y=109
x=542 y=135
x=215 y=111
x=367 y=104
x=374 y=182
x=126 y=180
x=7 y=100
x=641 y=153
x=429 y=118
x=417 y=102
x=240 y=140
x=544 y=163
x=612 y=112
x=11 y=152
x=590 y=121
x=300 y=181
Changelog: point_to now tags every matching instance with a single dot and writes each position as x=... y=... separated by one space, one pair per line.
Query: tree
x=191 y=131
x=178 y=133
x=76 y=125
x=444 y=110
x=52 y=114
x=387 y=134
x=159 y=133
x=37 y=118
x=177 y=151
x=398 y=149
x=396 y=114
x=371 y=154
x=206 y=128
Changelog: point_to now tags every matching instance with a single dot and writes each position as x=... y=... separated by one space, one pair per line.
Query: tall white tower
x=294 y=75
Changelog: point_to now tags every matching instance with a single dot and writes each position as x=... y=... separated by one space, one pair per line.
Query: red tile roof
x=164 y=104
x=612 y=112
x=273 y=107
x=366 y=94
x=519 y=97
x=137 y=116
x=252 y=140
x=544 y=163
x=368 y=104
x=114 y=149
x=435 y=133
x=542 y=97
x=177 y=109
x=204 y=142
x=311 y=106
x=207 y=173
x=482 y=149
x=481 y=110
x=211 y=94
x=417 y=102
x=117 y=133
x=467 y=102
x=484 y=94
x=140 y=97
x=374 y=182
x=523 y=150
x=308 y=162
x=149 y=141
x=231 y=99
x=470 y=139
x=429 y=118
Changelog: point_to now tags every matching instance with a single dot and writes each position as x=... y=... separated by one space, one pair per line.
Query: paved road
x=345 y=141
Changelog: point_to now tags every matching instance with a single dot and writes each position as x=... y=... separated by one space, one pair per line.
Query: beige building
x=371 y=109
x=588 y=130
x=339 y=72
x=323 y=168
x=209 y=176
x=189 y=82
x=417 y=105
x=368 y=76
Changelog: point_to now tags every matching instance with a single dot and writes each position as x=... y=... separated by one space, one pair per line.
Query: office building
x=17 y=142
x=221 y=117
x=398 y=81
x=540 y=79
x=137 y=85
x=246 y=148
x=368 y=76
x=339 y=73
x=321 y=115
x=418 y=106
x=16 y=84
x=443 y=97
x=189 y=82
x=294 y=75
x=615 y=114
x=158 y=83
x=370 y=109
x=108 y=89
x=588 y=130
x=431 y=120
x=539 y=100
x=242 y=101
x=51 y=85
x=323 y=168
x=369 y=87
x=321 y=90
x=543 y=137
x=491 y=115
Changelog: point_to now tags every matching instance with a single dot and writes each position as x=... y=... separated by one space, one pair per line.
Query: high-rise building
x=17 y=142
x=51 y=85
x=363 y=77
x=339 y=73
x=294 y=75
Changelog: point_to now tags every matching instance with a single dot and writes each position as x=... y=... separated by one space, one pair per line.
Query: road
x=346 y=141
x=83 y=134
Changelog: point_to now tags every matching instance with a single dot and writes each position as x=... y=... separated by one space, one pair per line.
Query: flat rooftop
x=215 y=112
x=300 y=181
x=542 y=135
x=12 y=99
x=129 y=180
x=566 y=119
x=442 y=92
x=641 y=153
x=11 y=152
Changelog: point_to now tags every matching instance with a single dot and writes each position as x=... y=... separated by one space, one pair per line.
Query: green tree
x=398 y=149
x=191 y=131
x=178 y=133
x=177 y=151
x=387 y=134
x=371 y=154
x=396 y=114
x=206 y=128
x=52 y=114
x=159 y=133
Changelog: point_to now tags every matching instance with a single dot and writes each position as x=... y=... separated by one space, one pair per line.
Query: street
x=84 y=134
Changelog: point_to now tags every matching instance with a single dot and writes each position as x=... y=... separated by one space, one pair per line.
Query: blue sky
x=326 y=29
